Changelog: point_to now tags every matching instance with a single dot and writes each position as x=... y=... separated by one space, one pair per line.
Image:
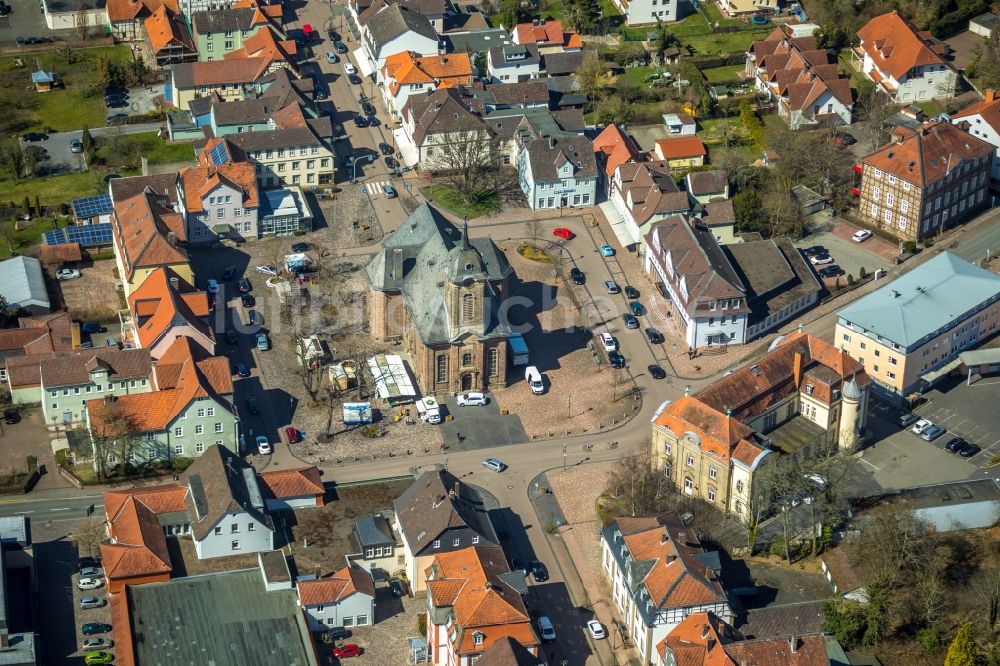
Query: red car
x=563 y=232
x=346 y=650
x=294 y=436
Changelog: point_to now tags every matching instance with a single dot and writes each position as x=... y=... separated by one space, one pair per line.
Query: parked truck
x=429 y=410
x=518 y=349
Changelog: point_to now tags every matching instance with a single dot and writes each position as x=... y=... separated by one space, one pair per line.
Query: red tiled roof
x=336 y=587
x=680 y=148
x=264 y=45
x=287 y=483
x=617 y=147
x=988 y=108
x=927 y=154
x=141 y=231
x=896 y=47
x=549 y=32
x=59 y=254
x=138 y=546
x=198 y=181
x=165 y=28
x=163 y=299
x=444 y=71
x=129 y=10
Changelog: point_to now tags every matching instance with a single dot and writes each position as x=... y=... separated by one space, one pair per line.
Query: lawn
x=608 y=9
x=53 y=190
x=723 y=74
x=77 y=103
x=24 y=239
x=730 y=42
x=448 y=197
x=637 y=75
x=127 y=148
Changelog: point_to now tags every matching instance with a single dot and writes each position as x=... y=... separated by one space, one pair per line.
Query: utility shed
x=22 y=283
x=947 y=507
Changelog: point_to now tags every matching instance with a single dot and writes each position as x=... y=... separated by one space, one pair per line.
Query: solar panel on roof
x=85 y=234
x=219 y=156
x=93 y=206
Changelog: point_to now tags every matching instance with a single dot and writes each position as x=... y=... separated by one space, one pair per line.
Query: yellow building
x=681 y=152
x=908 y=333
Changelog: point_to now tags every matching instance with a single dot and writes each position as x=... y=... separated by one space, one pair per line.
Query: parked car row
x=929 y=431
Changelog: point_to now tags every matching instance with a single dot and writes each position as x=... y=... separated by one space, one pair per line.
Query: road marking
x=25 y=512
x=376 y=188
x=61 y=509
x=870 y=465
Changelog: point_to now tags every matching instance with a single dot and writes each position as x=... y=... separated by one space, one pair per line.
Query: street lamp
x=564 y=457
x=354 y=166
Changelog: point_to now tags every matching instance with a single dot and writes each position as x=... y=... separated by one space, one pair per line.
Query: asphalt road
x=62 y=160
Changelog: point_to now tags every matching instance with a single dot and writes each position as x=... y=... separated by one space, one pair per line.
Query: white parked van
x=534 y=379
x=428 y=410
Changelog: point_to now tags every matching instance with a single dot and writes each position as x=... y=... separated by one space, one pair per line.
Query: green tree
x=847 y=621
x=509 y=13
x=38 y=206
x=590 y=76
x=27 y=205
x=963 y=651
x=481 y=63
x=747 y=205
x=86 y=139
x=752 y=124
x=8 y=315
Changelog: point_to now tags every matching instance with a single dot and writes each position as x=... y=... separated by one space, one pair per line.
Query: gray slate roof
x=515 y=54
x=442 y=111
x=75 y=369
x=164 y=184
x=222 y=20
x=427 y=509
x=372 y=531
x=279 y=138
x=929 y=297
x=220 y=482
x=700 y=183
x=22 y=283
x=774 y=272
x=547 y=155
x=560 y=64
x=478 y=41
x=396 y=20
x=431 y=251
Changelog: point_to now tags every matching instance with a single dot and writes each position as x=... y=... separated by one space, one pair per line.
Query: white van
x=534 y=379
x=546 y=629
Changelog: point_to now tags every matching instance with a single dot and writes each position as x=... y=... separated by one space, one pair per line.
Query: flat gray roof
x=222 y=619
x=932 y=297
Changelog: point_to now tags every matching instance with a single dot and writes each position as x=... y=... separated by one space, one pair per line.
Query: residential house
x=558 y=172
x=69 y=381
x=801 y=80
x=22 y=285
x=904 y=337
x=905 y=63
x=508 y=652
x=376 y=544
x=345 y=598
x=642 y=193
x=706 y=639
x=268 y=45
x=169 y=39
x=437 y=12
x=226 y=506
x=645 y=12
x=287 y=489
x=613 y=148
x=982 y=120
x=223 y=31
x=548 y=36
x=681 y=152
x=395 y=29
x=512 y=128
x=139 y=521
x=476 y=42
x=190 y=409
x=720 y=218
x=434 y=120
x=22 y=348
x=680 y=124
x=163 y=309
x=439 y=514
x=705 y=186
x=407 y=73
x=712 y=443
x=148 y=234
x=231 y=79
x=659 y=574
x=844 y=579
x=127 y=17
x=473 y=601
x=513 y=64
x=219 y=196
x=925 y=180
x=563 y=65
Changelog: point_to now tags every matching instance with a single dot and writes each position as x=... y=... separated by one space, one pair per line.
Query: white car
x=67 y=274
x=861 y=236
x=609 y=342
x=471 y=400
x=213 y=286
x=920 y=426
x=89 y=583
x=596 y=630
x=263 y=446
x=349 y=69
x=820 y=259
x=546 y=629
x=96 y=643
x=494 y=464
x=267 y=269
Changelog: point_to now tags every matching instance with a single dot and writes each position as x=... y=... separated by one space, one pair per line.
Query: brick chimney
x=991 y=95
x=797 y=368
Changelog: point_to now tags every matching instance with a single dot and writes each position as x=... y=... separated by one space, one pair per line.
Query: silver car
x=267 y=269
x=92 y=602
x=96 y=644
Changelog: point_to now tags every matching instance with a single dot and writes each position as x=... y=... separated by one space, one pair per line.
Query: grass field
x=731 y=42
x=126 y=150
x=723 y=74
x=53 y=190
x=79 y=102
x=447 y=197
x=23 y=239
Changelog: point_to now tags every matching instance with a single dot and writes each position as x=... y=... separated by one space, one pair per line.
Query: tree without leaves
x=590 y=76
x=88 y=536
x=468 y=163
x=877 y=108
x=636 y=489
x=82 y=25
x=115 y=439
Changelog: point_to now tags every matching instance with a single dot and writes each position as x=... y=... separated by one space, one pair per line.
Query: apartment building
x=407 y=73
x=558 y=172
x=68 y=382
x=909 y=333
x=223 y=31
x=982 y=120
x=925 y=180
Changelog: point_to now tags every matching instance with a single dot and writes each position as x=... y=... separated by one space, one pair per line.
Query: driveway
x=835 y=235
x=27 y=20
x=965 y=44
x=63 y=160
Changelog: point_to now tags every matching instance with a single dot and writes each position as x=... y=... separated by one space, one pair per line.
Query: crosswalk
x=375 y=189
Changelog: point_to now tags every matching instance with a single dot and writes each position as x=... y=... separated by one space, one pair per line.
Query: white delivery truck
x=534 y=379
x=429 y=410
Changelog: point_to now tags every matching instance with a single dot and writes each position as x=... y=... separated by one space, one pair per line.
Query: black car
x=231 y=338
x=815 y=249
x=830 y=271
x=92 y=327
x=339 y=46
x=300 y=247
x=10 y=417
x=116 y=103
x=319 y=93
x=390 y=162
x=242 y=370
x=636 y=307
x=616 y=359
x=539 y=572
x=396 y=588
x=244 y=285
x=5 y=9
x=338 y=633
x=577 y=276
x=630 y=321
x=373 y=121
x=333 y=35
x=87 y=563
x=518 y=565
x=31 y=137
x=115 y=90
x=367 y=108
x=656 y=372
x=968 y=450
x=248 y=300
x=354 y=79
x=631 y=292
x=116 y=118
x=360 y=121
x=385 y=148
x=955 y=444
x=655 y=337
x=35 y=40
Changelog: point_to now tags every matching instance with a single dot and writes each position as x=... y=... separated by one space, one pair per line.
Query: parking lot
x=835 y=235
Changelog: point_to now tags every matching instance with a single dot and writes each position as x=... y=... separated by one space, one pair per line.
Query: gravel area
x=351 y=202
x=383 y=643
x=586 y=397
x=92 y=297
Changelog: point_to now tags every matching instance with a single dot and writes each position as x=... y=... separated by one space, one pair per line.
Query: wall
x=295 y=165
x=220 y=545
x=354 y=611
x=72 y=399
x=160 y=347
x=299 y=502
x=95 y=18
